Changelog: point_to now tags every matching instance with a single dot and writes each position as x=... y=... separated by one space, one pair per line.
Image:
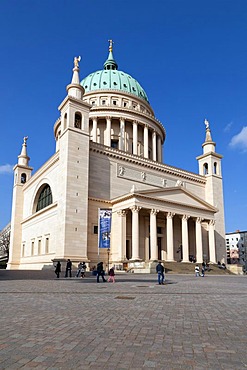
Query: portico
x=147 y=228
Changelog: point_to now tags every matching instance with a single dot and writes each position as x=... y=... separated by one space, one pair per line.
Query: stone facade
x=109 y=155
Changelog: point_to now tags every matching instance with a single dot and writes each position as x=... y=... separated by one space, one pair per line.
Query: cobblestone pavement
x=189 y=323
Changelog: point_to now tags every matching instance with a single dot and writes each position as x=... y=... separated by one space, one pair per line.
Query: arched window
x=45 y=198
x=215 y=168
x=23 y=178
x=77 y=122
x=205 y=169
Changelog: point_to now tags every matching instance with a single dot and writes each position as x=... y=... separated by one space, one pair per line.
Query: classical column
x=159 y=149
x=146 y=141
x=108 y=131
x=185 y=239
x=169 y=235
x=122 y=234
x=211 y=239
x=135 y=232
x=135 y=136
x=95 y=121
x=147 y=223
x=199 y=256
x=154 y=146
x=153 y=234
x=122 y=134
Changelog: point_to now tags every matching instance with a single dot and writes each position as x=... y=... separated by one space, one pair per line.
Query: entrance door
x=159 y=247
x=128 y=250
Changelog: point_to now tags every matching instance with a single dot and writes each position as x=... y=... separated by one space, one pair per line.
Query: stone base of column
x=187 y=261
x=137 y=259
x=170 y=261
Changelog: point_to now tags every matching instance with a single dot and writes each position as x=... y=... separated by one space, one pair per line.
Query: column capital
x=95 y=118
x=170 y=214
x=199 y=220
x=135 y=121
x=108 y=118
x=154 y=211
x=122 y=118
x=211 y=222
x=122 y=213
x=185 y=217
x=135 y=209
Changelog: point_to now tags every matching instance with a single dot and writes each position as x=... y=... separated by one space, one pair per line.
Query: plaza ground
x=189 y=323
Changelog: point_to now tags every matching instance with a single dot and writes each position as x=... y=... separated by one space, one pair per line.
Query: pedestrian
x=160 y=271
x=79 y=267
x=112 y=275
x=58 y=269
x=197 y=270
x=68 y=268
x=100 y=272
x=203 y=270
x=83 y=269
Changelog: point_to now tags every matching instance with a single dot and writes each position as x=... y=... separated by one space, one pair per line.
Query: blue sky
x=189 y=56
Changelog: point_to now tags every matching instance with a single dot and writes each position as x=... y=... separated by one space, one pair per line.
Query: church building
x=108 y=166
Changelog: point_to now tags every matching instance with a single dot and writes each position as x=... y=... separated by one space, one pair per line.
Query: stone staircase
x=189 y=268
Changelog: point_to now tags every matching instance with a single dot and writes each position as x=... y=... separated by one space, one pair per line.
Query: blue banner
x=104 y=228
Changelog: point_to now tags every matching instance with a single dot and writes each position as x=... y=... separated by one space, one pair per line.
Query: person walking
x=79 y=267
x=160 y=271
x=68 y=268
x=83 y=269
x=100 y=272
x=197 y=271
x=112 y=275
x=58 y=269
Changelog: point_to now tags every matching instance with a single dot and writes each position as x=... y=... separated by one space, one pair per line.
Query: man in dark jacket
x=160 y=271
x=100 y=271
x=68 y=268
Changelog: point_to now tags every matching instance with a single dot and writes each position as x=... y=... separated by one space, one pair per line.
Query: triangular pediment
x=175 y=195
x=178 y=195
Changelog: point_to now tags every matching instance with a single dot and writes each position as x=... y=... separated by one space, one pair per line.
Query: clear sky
x=190 y=56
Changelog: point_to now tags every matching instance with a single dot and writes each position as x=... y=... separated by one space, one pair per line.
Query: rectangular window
x=39 y=246
x=23 y=250
x=47 y=245
x=114 y=144
x=32 y=248
x=95 y=229
x=159 y=230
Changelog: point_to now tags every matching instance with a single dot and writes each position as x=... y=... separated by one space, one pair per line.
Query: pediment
x=172 y=195
x=178 y=195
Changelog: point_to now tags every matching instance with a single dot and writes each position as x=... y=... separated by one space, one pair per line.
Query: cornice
x=36 y=214
x=148 y=163
x=43 y=169
x=122 y=111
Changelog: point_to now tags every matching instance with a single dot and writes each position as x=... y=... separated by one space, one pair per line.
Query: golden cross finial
x=110 y=46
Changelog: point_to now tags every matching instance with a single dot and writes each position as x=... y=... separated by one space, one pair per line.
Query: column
x=154 y=147
x=159 y=149
x=146 y=141
x=135 y=137
x=169 y=235
x=95 y=121
x=153 y=234
x=185 y=239
x=122 y=134
x=211 y=240
x=135 y=232
x=122 y=234
x=108 y=131
x=147 y=223
x=199 y=256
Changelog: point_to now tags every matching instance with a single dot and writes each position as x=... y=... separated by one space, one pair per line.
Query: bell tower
x=22 y=173
x=73 y=172
x=210 y=167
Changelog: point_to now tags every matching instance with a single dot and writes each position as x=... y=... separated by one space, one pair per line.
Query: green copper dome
x=111 y=78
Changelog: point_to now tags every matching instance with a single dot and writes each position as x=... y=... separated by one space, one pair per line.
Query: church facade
x=109 y=149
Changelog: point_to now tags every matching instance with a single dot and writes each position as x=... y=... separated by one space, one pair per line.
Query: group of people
x=198 y=272
x=81 y=269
